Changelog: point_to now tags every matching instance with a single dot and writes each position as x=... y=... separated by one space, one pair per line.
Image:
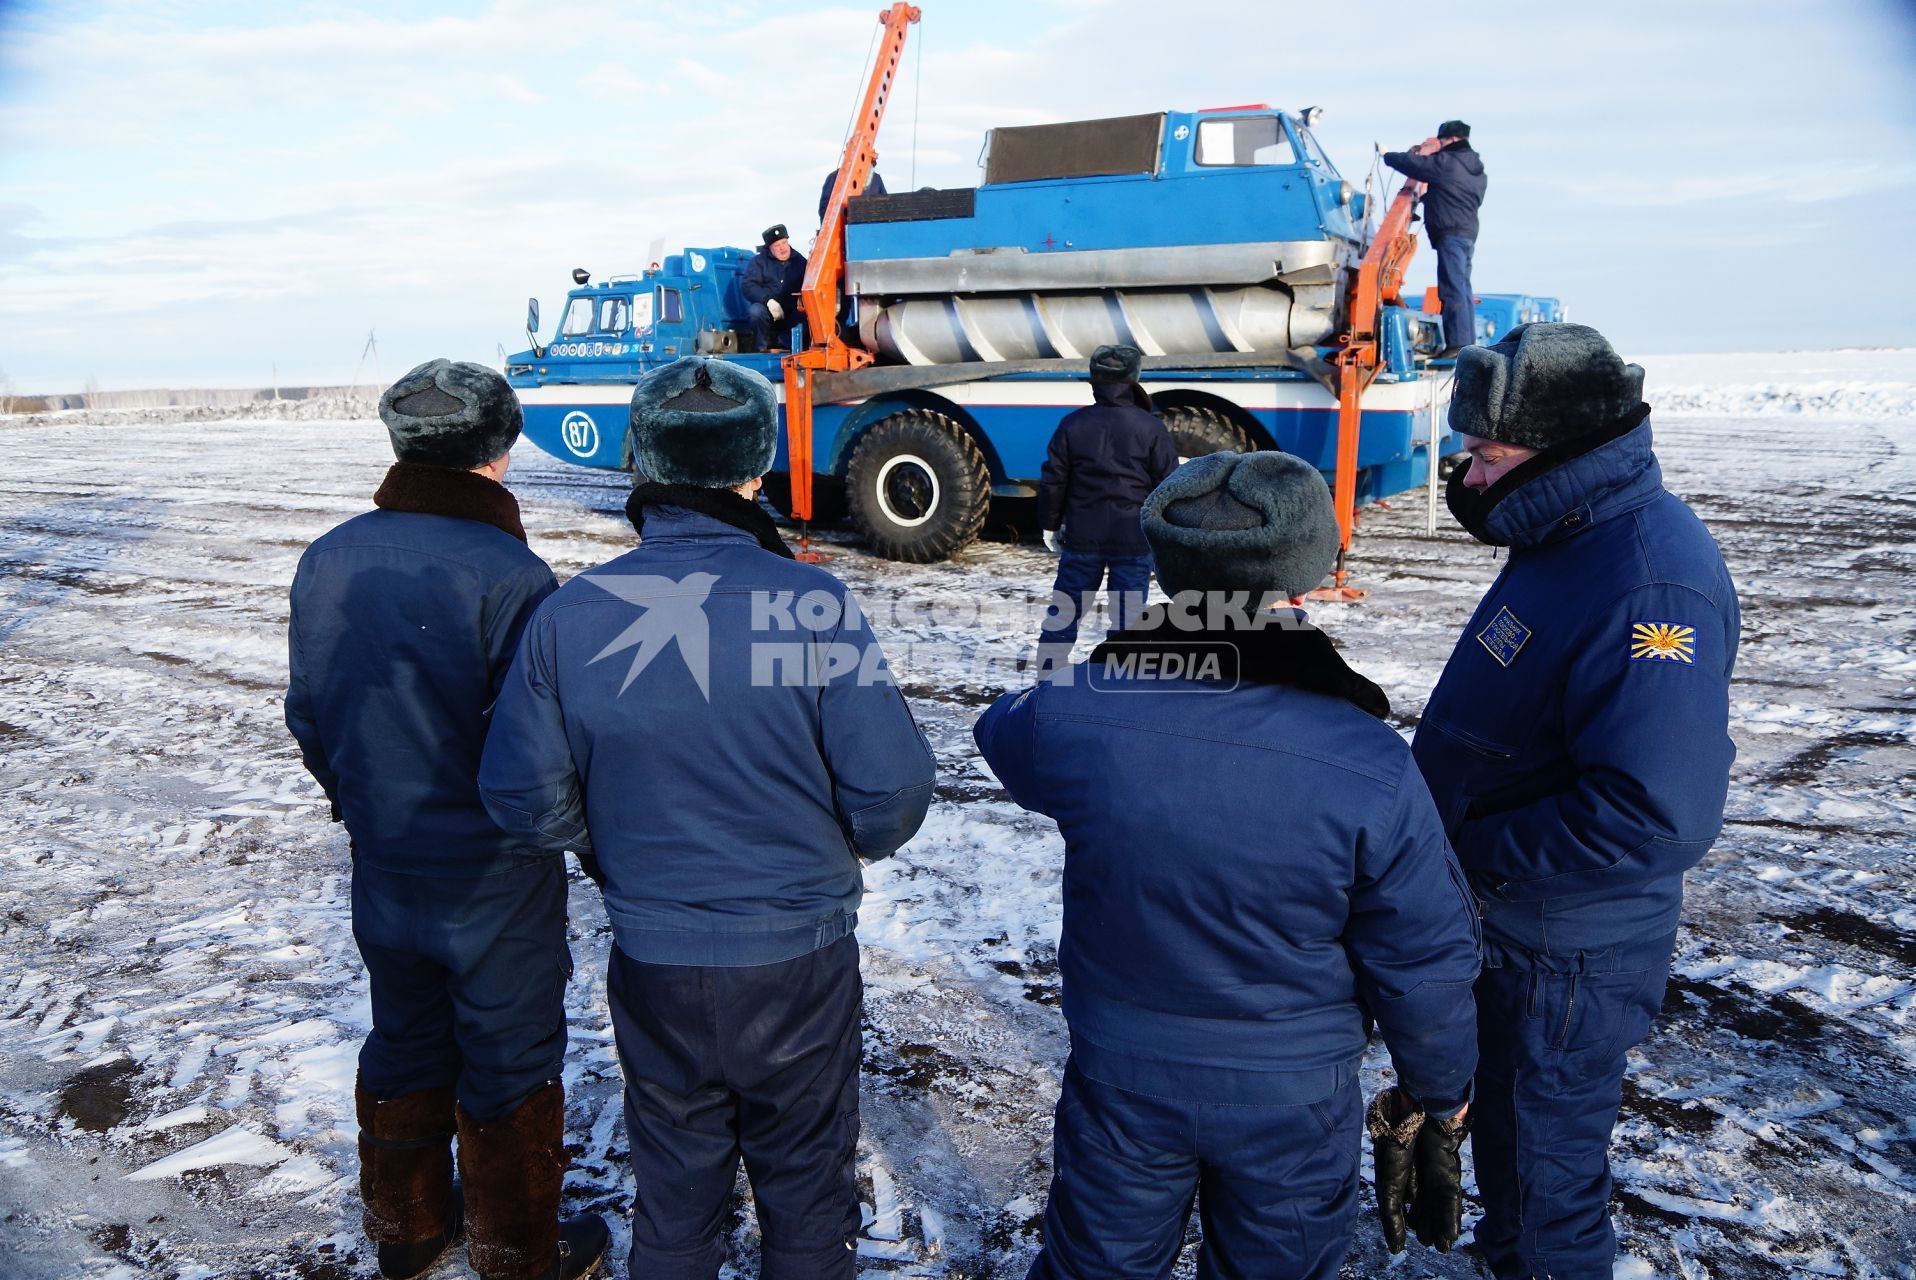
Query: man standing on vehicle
x=1253 y=870
x=1104 y=459
x=771 y=283
x=1454 y=175
x=404 y=621
x=716 y=722
x=1578 y=749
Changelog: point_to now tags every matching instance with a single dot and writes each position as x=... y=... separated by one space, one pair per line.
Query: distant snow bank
x=1835 y=384
x=311 y=409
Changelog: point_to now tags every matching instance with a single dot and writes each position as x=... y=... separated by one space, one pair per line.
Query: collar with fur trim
x=449 y=491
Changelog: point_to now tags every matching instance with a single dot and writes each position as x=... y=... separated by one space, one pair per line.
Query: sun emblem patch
x=1504 y=636
x=1662 y=642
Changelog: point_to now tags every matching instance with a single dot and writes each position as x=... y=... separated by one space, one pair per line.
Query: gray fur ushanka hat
x=706 y=423
x=449 y=413
x=1543 y=385
x=1252 y=522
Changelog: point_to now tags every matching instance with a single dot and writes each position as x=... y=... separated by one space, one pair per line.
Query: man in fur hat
x=1455 y=182
x=1578 y=749
x=716 y=722
x=771 y=282
x=1253 y=870
x=404 y=621
x=1103 y=460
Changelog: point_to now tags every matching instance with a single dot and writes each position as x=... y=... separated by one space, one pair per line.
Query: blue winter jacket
x=403 y=625
x=1103 y=462
x=1248 y=872
x=766 y=278
x=1578 y=742
x=718 y=725
x=1456 y=181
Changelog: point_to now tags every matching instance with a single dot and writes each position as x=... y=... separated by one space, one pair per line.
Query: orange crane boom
x=819 y=295
x=1380 y=280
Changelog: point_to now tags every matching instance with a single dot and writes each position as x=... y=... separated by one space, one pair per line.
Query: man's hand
x=778 y=311
x=1437 y=1211
x=1394 y=1123
x=1051 y=542
x=1419 y=1171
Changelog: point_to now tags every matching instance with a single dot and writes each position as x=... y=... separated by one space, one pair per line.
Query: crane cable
x=851 y=117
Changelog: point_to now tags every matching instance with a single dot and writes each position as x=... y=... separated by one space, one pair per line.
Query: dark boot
x=405 y=1178
x=512 y=1169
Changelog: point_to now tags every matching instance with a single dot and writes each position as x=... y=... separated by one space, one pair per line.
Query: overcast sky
x=196 y=193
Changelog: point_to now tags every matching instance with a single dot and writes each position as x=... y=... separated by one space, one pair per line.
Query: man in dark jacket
x=1253 y=870
x=1578 y=749
x=1454 y=175
x=1102 y=462
x=874 y=187
x=771 y=284
x=404 y=621
x=716 y=722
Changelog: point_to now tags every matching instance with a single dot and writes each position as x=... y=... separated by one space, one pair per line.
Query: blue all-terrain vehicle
x=949 y=330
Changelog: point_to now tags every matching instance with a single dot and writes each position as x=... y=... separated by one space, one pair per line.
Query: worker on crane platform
x=771 y=284
x=1455 y=177
x=874 y=187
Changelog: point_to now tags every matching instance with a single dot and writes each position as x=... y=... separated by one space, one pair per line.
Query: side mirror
x=532 y=327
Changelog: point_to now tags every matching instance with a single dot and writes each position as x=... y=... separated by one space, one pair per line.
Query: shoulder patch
x=1504 y=636
x=1662 y=642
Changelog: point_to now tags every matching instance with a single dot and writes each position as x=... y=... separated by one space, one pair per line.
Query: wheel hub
x=907 y=490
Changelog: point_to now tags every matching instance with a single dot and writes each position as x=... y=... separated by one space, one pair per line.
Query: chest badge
x=1504 y=637
x=1662 y=642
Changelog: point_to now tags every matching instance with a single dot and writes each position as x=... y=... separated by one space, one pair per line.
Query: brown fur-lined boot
x=405 y=1178
x=512 y=1169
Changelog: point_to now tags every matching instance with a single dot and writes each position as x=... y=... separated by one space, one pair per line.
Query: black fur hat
x=451 y=413
x=1111 y=363
x=1543 y=385
x=702 y=422
x=1454 y=129
x=773 y=234
x=1252 y=522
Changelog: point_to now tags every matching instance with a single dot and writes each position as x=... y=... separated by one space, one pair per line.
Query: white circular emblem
x=1181 y=132
x=580 y=433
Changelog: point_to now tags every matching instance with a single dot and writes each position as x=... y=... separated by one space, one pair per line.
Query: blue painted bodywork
x=1183 y=203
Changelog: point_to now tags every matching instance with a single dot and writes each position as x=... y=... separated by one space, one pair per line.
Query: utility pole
x=370 y=349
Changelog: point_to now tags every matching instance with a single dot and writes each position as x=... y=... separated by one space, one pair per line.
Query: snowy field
x=181 y=1002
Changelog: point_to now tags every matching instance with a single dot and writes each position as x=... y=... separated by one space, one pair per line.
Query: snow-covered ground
x=181 y=1002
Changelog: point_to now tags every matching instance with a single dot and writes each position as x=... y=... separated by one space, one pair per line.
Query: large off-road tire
x=1197 y=431
x=828 y=497
x=918 y=487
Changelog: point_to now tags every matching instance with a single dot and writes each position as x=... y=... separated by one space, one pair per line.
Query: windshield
x=1251 y=140
x=578 y=318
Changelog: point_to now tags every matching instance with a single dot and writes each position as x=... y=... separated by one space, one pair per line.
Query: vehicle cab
x=575 y=389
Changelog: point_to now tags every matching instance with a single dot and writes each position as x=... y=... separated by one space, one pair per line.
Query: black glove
x=1419 y=1172
x=1437 y=1187
x=1394 y=1123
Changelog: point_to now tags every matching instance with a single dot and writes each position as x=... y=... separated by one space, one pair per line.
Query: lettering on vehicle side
x=1504 y=637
